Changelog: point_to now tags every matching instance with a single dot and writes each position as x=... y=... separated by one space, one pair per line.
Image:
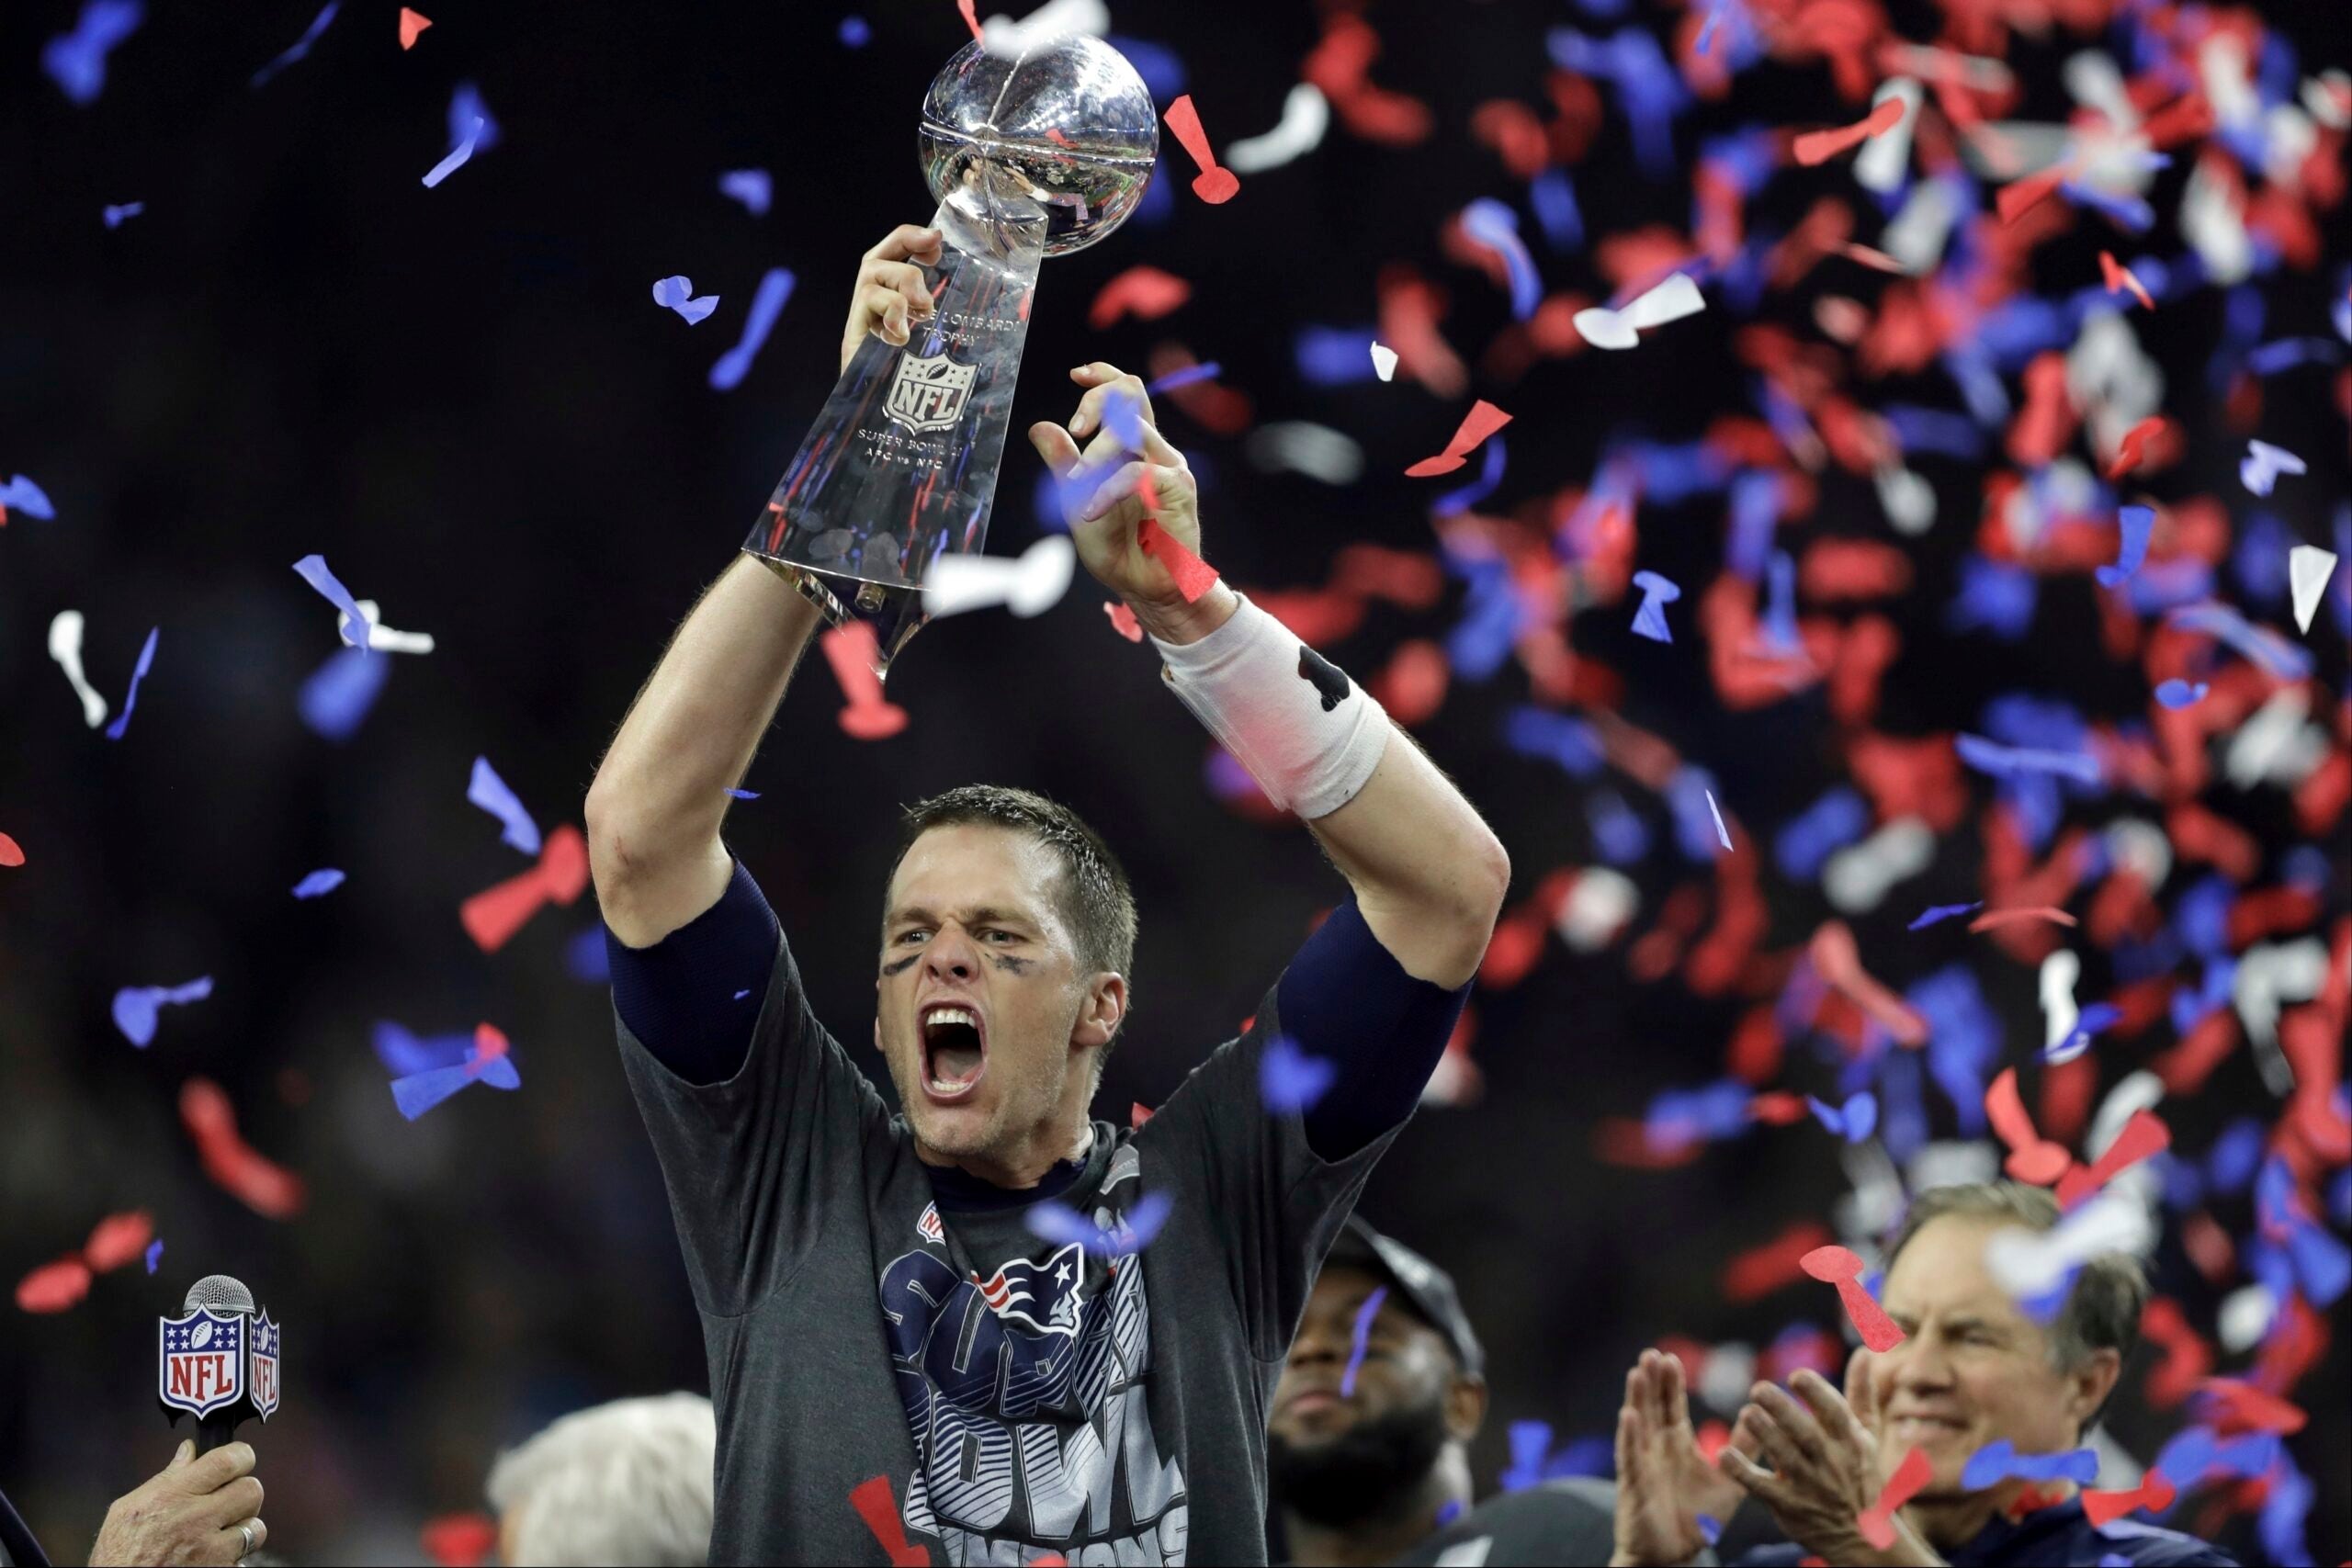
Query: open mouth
x=954 y=1051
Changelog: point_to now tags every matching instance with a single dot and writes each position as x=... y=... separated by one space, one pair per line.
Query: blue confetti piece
x=2259 y=644
x=1491 y=475
x=1491 y=616
x=135 y=1006
x=300 y=48
x=1679 y=1116
x=116 y=215
x=1161 y=68
x=1062 y=1225
x=1723 y=834
x=753 y=188
x=1618 y=834
x=335 y=699
x=1754 y=512
x=1554 y=197
x=1854 y=1121
x=2128 y=212
x=1361 y=1340
x=154 y=1255
x=454 y=160
x=672 y=294
x=853 y=32
x=1334 y=356
x=2137 y=521
x=1496 y=226
x=1649 y=617
x=2288 y=352
x=775 y=287
x=2180 y=694
x=318 y=884
x=1449 y=1511
x=314 y=570
x=77 y=60
x=1998 y=1461
x=1710 y=1530
x=1943 y=431
x=2015 y=762
x=1778 y=625
x=2092 y=1020
x=585 y=958
x=20 y=494
x=404 y=1054
x=1185 y=377
x=1290 y=1080
x=1691 y=794
x=744 y=794
x=420 y=1092
x=1529 y=1440
x=1940 y=912
x=487 y=790
x=1555 y=737
x=468 y=116
x=131 y=699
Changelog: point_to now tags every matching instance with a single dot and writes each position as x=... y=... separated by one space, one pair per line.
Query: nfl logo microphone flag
x=216 y=1361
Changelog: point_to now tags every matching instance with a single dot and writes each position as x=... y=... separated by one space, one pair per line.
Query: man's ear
x=1466 y=1406
x=877 y=1034
x=2089 y=1384
x=1101 y=1011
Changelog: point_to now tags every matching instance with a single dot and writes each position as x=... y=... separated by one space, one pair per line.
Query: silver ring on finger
x=246 y=1534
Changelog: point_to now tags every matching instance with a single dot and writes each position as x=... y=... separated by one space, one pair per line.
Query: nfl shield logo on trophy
x=928 y=392
x=200 y=1365
x=264 y=1363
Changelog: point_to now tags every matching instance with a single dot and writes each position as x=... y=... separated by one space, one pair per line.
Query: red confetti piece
x=459 y=1541
x=54 y=1287
x=1139 y=1113
x=1820 y=146
x=1482 y=420
x=496 y=914
x=2187 y=1359
x=1842 y=1267
x=2032 y=1158
x=1123 y=622
x=2103 y=1508
x=1877 y=260
x=2119 y=277
x=851 y=649
x=1760 y=1271
x=117 y=1239
x=1193 y=576
x=2018 y=197
x=1837 y=961
x=1145 y=292
x=2234 y=1407
x=412 y=24
x=2145 y=1135
x=1412 y=687
x=1877 y=1521
x=267 y=1188
x=10 y=854
x=1407 y=578
x=2129 y=451
x=1992 y=918
x=972 y=17
x=1213 y=185
x=878 y=1507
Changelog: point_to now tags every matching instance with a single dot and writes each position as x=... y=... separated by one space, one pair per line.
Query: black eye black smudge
x=900 y=966
x=1012 y=966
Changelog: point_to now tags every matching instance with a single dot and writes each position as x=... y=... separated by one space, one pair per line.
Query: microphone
x=217 y=1360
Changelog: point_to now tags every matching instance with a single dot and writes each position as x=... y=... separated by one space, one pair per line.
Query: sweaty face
x=1333 y=1459
x=979 y=991
x=1974 y=1369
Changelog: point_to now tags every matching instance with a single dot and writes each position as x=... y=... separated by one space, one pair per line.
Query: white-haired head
x=623 y=1482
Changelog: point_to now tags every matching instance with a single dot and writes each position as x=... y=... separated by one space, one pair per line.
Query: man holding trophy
x=990 y=1327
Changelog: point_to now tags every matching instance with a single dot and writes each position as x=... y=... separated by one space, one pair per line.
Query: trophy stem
x=900 y=466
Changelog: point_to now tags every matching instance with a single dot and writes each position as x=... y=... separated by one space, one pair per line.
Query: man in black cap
x=1368 y=1444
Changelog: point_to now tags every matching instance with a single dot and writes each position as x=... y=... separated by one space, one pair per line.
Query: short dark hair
x=1094 y=900
x=2110 y=1292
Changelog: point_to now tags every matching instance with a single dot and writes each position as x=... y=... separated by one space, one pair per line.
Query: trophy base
x=895 y=612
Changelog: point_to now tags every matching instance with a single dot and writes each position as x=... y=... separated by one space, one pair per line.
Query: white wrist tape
x=1308 y=734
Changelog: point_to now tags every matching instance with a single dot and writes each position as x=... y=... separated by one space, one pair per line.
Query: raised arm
x=660 y=795
x=1428 y=873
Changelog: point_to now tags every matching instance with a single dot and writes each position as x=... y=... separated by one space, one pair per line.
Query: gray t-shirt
x=1019 y=1398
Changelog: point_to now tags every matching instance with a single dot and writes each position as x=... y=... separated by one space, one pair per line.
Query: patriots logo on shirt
x=1042 y=1295
x=929 y=1228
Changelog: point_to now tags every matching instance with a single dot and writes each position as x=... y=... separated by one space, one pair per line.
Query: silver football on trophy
x=1068 y=124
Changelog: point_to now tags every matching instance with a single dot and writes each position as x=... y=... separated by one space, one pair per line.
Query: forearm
x=661 y=793
x=1428 y=873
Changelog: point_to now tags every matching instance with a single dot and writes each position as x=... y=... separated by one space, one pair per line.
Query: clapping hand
x=1664 y=1482
x=1825 y=1465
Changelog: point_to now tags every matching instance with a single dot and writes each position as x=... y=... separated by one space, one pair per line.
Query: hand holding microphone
x=199 y=1509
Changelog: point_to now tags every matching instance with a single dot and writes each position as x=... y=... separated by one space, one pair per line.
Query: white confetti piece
x=65 y=646
x=1307 y=114
x=1027 y=586
x=2308 y=569
x=1384 y=361
x=1670 y=301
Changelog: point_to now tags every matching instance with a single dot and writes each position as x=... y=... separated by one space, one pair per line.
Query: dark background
x=465 y=398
